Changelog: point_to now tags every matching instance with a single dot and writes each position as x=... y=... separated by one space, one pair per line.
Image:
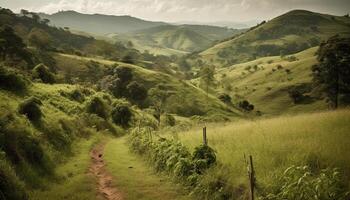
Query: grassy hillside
x=187 y=100
x=289 y=33
x=266 y=83
x=180 y=39
x=319 y=140
x=98 y=23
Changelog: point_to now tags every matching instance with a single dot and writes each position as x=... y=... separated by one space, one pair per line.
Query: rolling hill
x=266 y=82
x=180 y=39
x=97 y=23
x=289 y=33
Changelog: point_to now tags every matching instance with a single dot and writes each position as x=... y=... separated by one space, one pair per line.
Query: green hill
x=289 y=33
x=97 y=23
x=266 y=82
x=180 y=39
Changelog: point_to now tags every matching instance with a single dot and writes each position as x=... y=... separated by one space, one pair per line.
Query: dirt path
x=104 y=179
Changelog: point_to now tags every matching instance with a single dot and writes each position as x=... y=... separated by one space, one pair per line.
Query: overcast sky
x=184 y=10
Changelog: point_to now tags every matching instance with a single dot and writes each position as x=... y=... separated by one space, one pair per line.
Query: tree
x=24 y=12
x=159 y=96
x=246 y=106
x=207 y=78
x=11 y=44
x=121 y=115
x=333 y=70
x=137 y=92
x=39 y=38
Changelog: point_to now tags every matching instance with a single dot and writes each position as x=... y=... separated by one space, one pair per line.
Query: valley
x=96 y=106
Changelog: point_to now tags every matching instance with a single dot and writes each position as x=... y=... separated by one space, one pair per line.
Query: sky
x=184 y=10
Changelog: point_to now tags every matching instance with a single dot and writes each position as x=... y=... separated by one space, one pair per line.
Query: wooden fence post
x=251 y=177
x=205 y=141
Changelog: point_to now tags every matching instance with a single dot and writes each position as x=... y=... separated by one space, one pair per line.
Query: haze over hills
x=181 y=38
x=289 y=33
x=228 y=24
x=98 y=23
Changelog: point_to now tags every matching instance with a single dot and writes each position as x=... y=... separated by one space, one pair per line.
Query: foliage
x=246 y=106
x=207 y=76
x=300 y=183
x=174 y=158
x=121 y=115
x=9 y=80
x=31 y=108
x=296 y=95
x=225 y=98
x=333 y=72
x=170 y=120
x=10 y=185
x=96 y=105
x=44 y=74
x=39 y=38
x=137 y=92
x=12 y=45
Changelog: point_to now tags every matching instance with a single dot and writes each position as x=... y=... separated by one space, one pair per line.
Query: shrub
x=296 y=95
x=97 y=106
x=279 y=67
x=121 y=115
x=12 y=81
x=204 y=157
x=246 y=106
x=43 y=73
x=31 y=108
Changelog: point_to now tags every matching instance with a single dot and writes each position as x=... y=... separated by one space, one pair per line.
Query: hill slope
x=97 y=23
x=181 y=39
x=266 y=82
x=289 y=33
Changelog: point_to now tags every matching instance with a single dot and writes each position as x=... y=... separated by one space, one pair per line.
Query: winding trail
x=103 y=178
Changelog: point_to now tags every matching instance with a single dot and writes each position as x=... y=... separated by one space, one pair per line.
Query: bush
x=204 y=157
x=246 y=106
x=97 y=106
x=11 y=81
x=43 y=73
x=121 y=115
x=31 y=108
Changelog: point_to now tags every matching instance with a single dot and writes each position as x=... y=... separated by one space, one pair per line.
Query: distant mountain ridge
x=289 y=33
x=98 y=23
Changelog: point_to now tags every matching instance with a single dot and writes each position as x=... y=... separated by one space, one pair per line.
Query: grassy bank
x=74 y=181
x=319 y=140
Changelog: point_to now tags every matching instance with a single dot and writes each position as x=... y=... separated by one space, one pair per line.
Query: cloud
x=194 y=10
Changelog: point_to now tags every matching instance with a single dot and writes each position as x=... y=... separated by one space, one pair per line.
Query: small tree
x=159 y=96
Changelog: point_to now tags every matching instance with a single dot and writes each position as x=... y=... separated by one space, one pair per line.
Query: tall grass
x=319 y=140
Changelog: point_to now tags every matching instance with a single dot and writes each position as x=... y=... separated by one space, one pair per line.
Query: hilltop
x=289 y=33
x=98 y=23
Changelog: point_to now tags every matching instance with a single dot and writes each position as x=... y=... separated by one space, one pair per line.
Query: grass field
x=320 y=140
